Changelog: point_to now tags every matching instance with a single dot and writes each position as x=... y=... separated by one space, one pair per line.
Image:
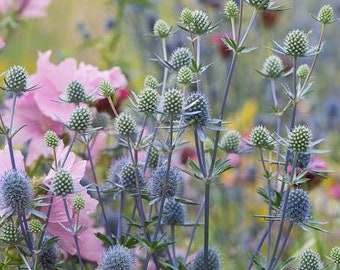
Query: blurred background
x=119 y=33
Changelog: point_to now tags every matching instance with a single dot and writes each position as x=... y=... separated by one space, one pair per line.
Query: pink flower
x=25 y=8
x=91 y=247
x=2 y=43
x=33 y=8
x=34 y=123
x=54 y=79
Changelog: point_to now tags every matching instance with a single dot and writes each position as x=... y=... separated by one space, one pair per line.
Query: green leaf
x=105 y=239
x=220 y=167
x=196 y=171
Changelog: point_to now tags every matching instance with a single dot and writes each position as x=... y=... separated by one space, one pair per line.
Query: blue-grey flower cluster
x=116 y=257
x=15 y=190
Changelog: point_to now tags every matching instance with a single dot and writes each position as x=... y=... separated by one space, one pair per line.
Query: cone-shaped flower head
x=310 y=260
x=201 y=22
x=326 y=15
x=148 y=100
x=161 y=29
x=298 y=206
x=78 y=202
x=335 y=254
x=180 y=57
x=15 y=190
x=51 y=139
x=35 y=226
x=116 y=257
x=173 y=102
x=272 y=67
x=184 y=75
x=231 y=9
x=230 y=142
x=260 y=137
x=174 y=181
x=153 y=158
x=16 y=79
x=196 y=109
x=214 y=260
x=10 y=233
x=75 y=92
x=151 y=82
x=62 y=183
x=125 y=125
x=302 y=71
x=80 y=120
x=300 y=138
x=128 y=177
x=186 y=16
x=174 y=212
x=106 y=89
x=296 y=43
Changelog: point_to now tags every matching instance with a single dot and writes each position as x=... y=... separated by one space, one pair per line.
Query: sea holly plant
x=50 y=204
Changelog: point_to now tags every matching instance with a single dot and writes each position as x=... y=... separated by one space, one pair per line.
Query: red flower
x=269 y=18
x=217 y=39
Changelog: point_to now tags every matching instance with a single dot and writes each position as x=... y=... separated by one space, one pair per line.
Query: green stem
x=283 y=245
x=74 y=233
x=173 y=246
x=206 y=223
x=101 y=203
x=198 y=217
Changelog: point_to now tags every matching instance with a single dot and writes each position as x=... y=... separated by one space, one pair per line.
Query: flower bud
x=173 y=102
x=80 y=120
x=106 y=89
x=300 y=138
x=62 y=183
x=184 y=75
x=230 y=142
x=180 y=57
x=273 y=67
x=260 y=137
x=151 y=82
x=326 y=15
x=335 y=254
x=125 y=124
x=75 y=92
x=296 y=43
x=310 y=260
x=16 y=79
x=51 y=139
x=78 y=202
x=148 y=101
x=231 y=9
x=161 y=29
x=302 y=71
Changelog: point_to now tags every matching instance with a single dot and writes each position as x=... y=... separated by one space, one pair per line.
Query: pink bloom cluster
x=43 y=109
x=91 y=247
x=25 y=8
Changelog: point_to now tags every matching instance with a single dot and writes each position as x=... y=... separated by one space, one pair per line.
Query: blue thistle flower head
x=116 y=257
x=15 y=190
x=128 y=175
x=214 y=260
x=298 y=207
x=48 y=257
x=196 y=109
x=174 y=212
x=174 y=181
